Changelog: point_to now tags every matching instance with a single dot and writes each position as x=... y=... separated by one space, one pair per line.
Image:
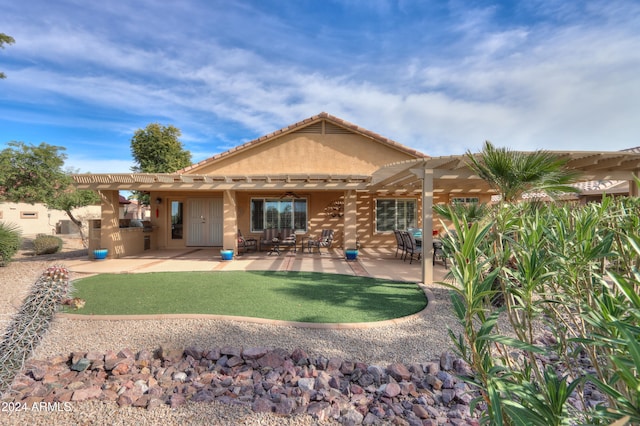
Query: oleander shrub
x=10 y=241
x=569 y=282
x=47 y=244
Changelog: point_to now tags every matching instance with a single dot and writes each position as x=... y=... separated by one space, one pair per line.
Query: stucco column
x=350 y=219
x=230 y=222
x=427 y=226
x=109 y=224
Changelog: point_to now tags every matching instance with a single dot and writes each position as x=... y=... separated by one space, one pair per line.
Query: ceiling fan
x=289 y=195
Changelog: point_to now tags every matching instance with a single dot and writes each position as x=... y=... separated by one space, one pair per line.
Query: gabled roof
x=299 y=125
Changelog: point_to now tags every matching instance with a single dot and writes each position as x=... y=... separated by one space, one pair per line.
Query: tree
x=72 y=199
x=5 y=39
x=33 y=174
x=513 y=173
x=157 y=149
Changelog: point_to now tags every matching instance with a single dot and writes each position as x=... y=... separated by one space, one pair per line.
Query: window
x=177 y=220
x=465 y=200
x=28 y=215
x=395 y=213
x=274 y=213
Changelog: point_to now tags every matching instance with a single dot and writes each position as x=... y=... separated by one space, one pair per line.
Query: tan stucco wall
x=38 y=219
x=301 y=153
x=318 y=219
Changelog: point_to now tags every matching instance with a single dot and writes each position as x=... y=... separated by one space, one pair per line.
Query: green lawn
x=291 y=296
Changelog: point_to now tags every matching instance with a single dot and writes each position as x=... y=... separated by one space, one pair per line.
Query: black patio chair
x=438 y=253
x=411 y=248
x=399 y=243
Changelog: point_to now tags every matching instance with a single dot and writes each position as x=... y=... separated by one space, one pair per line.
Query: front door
x=204 y=222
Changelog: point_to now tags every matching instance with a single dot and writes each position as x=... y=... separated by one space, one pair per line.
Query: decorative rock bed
x=268 y=380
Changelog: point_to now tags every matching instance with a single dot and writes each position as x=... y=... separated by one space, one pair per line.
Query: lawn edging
x=325 y=326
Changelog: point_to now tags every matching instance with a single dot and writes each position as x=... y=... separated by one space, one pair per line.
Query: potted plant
x=100 y=254
x=351 y=254
x=226 y=254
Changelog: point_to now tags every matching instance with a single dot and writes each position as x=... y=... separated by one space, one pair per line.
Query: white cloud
x=533 y=84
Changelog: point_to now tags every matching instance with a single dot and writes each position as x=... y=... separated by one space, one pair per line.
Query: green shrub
x=10 y=241
x=47 y=244
x=570 y=273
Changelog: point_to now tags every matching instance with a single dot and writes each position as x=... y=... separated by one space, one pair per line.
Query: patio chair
x=288 y=239
x=269 y=235
x=246 y=244
x=399 y=242
x=438 y=252
x=325 y=240
x=411 y=247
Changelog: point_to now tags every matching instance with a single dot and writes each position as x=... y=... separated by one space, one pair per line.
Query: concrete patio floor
x=378 y=263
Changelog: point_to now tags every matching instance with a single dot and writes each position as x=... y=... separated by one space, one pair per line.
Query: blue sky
x=438 y=76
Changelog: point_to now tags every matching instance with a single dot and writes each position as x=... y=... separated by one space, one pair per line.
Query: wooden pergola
x=438 y=176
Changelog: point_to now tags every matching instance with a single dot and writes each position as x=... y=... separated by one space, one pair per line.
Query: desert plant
x=10 y=241
x=513 y=173
x=31 y=322
x=543 y=402
x=614 y=320
x=471 y=292
x=472 y=212
x=47 y=244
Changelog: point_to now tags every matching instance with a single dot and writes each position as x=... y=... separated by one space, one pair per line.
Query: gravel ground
x=418 y=340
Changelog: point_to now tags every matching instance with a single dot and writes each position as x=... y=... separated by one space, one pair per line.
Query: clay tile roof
x=304 y=123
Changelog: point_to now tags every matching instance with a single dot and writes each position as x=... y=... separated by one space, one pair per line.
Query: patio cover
x=183 y=182
x=451 y=175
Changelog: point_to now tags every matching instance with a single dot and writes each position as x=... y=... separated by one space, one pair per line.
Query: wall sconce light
x=158 y=200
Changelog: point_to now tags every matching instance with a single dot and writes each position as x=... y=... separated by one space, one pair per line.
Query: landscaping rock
x=81 y=365
x=399 y=372
x=267 y=380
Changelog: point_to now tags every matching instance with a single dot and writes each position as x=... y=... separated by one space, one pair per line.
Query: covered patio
x=430 y=180
x=372 y=262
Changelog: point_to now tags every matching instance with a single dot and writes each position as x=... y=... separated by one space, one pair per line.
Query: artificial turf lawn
x=290 y=296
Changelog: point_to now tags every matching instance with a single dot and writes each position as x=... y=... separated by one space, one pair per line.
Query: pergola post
x=427 y=225
x=350 y=219
x=633 y=185
x=230 y=221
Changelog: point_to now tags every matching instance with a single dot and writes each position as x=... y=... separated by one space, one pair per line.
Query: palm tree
x=513 y=173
